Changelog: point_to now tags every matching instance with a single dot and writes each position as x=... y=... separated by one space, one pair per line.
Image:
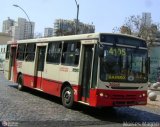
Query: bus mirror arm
x=100 y=50
x=114 y=45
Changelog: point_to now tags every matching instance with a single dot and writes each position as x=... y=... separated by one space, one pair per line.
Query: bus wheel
x=20 y=83
x=67 y=97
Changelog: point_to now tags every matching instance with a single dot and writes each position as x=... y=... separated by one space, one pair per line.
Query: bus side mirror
x=101 y=51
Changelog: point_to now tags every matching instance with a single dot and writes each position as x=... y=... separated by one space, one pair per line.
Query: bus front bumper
x=104 y=98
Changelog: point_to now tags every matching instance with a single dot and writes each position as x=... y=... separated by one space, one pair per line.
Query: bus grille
x=123 y=97
x=123 y=87
x=118 y=103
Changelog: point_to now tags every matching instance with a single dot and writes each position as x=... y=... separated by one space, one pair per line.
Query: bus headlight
x=143 y=94
x=106 y=96
x=101 y=94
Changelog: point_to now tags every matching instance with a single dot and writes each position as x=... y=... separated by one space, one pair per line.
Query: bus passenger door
x=13 y=66
x=10 y=63
x=86 y=72
x=40 y=65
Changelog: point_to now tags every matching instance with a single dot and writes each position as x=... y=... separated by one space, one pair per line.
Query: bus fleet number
x=117 y=51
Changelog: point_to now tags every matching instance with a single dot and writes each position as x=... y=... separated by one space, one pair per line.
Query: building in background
x=4 y=38
x=20 y=29
x=7 y=25
x=38 y=35
x=67 y=27
x=146 y=19
x=48 y=32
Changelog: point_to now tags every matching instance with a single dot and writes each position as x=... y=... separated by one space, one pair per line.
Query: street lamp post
x=15 y=5
x=76 y=28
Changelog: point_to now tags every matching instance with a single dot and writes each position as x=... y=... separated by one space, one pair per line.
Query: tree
x=134 y=25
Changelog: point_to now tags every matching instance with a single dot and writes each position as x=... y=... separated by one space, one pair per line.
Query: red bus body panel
x=117 y=98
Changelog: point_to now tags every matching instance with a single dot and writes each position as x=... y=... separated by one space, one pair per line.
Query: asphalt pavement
x=32 y=108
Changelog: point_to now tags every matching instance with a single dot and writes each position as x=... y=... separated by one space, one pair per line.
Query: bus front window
x=123 y=65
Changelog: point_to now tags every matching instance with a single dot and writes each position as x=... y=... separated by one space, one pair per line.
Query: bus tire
x=67 y=97
x=20 y=83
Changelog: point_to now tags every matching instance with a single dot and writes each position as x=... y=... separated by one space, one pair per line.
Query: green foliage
x=133 y=25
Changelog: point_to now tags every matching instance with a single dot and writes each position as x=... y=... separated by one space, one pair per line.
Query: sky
x=104 y=14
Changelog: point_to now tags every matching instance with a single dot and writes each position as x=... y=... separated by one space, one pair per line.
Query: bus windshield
x=123 y=64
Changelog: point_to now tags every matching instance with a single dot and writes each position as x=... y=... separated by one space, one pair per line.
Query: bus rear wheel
x=67 y=97
x=20 y=83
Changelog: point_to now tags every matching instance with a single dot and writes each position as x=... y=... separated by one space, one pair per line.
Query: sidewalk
x=157 y=101
x=154 y=103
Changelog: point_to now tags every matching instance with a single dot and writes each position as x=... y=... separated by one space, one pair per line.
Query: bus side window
x=30 y=52
x=54 y=52
x=7 y=51
x=21 y=51
x=71 y=51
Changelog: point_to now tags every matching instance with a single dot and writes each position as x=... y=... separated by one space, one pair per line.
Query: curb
x=154 y=103
x=151 y=104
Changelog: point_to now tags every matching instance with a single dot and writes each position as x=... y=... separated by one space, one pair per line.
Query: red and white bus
x=98 y=69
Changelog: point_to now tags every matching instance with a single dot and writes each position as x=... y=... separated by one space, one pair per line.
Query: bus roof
x=68 y=37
